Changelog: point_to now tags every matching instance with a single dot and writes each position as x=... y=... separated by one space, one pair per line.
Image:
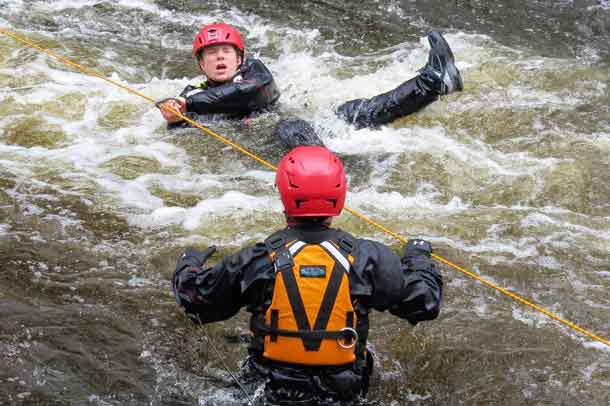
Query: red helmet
x=217 y=34
x=311 y=181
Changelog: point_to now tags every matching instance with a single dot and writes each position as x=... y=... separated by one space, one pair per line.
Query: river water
x=510 y=179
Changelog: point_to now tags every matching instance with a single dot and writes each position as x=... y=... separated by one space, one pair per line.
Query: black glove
x=417 y=247
x=416 y=256
x=186 y=273
x=196 y=258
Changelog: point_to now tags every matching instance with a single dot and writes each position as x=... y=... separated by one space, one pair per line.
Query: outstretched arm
x=409 y=287
x=213 y=293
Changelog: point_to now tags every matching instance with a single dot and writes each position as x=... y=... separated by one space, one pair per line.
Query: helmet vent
x=212 y=34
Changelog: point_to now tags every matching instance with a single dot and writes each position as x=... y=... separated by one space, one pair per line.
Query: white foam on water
x=160 y=217
x=315 y=79
x=596 y=345
x=218 y=396
x=532 y=318
x=60 y=5
x=232 y=203
x=4 y=229
x=13 y=6
x=602 y=4
x=414 y=397
x=537 y=219
x=267 y=177
x=137 y=281
x=549 y=262
x=395 y=201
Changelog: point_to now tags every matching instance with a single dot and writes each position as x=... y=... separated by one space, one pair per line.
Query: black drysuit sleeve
x=215 y=294
x=409 y=287
x=255 y=91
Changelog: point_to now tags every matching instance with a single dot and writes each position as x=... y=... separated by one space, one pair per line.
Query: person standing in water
x=309 y=289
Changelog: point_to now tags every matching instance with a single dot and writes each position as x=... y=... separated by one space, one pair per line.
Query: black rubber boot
x=438 y=77
x=440 y=71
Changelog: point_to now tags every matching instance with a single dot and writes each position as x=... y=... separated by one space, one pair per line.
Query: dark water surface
x=510 y=179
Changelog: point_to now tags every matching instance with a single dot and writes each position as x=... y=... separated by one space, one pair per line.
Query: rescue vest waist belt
x=346 y=334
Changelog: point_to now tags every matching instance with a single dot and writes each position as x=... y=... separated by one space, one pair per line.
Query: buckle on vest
x=283 y=260
x=346 y=245
x=275 y=243
x=346 y=336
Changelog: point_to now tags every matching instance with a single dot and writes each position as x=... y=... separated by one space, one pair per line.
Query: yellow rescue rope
x=355 y=213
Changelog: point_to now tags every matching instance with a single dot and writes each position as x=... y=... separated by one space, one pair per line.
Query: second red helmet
x=217 y=34
x=312 y=183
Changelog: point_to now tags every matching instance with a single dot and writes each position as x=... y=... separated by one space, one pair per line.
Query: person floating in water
x=309 y=289
x=235 y=86
x=238 y=86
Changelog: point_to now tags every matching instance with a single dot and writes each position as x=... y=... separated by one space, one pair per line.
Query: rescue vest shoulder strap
x=337 y=243
x=345 y=241
x=279 y=239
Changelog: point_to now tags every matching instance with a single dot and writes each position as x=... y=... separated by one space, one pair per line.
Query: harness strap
x=296 y=303
x=309 y=334
x=328 y=301
x=274 y=323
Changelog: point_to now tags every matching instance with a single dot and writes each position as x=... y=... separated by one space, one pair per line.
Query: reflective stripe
x=296 y=246
x=193 y=92
x=336 y=254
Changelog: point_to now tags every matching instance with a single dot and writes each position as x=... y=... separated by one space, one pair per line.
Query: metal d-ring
x=354 y=333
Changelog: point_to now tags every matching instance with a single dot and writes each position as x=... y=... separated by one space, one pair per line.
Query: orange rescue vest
x=311 y=320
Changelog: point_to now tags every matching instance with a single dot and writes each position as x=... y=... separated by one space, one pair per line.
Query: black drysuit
x=409 y=288
x=254 y=90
